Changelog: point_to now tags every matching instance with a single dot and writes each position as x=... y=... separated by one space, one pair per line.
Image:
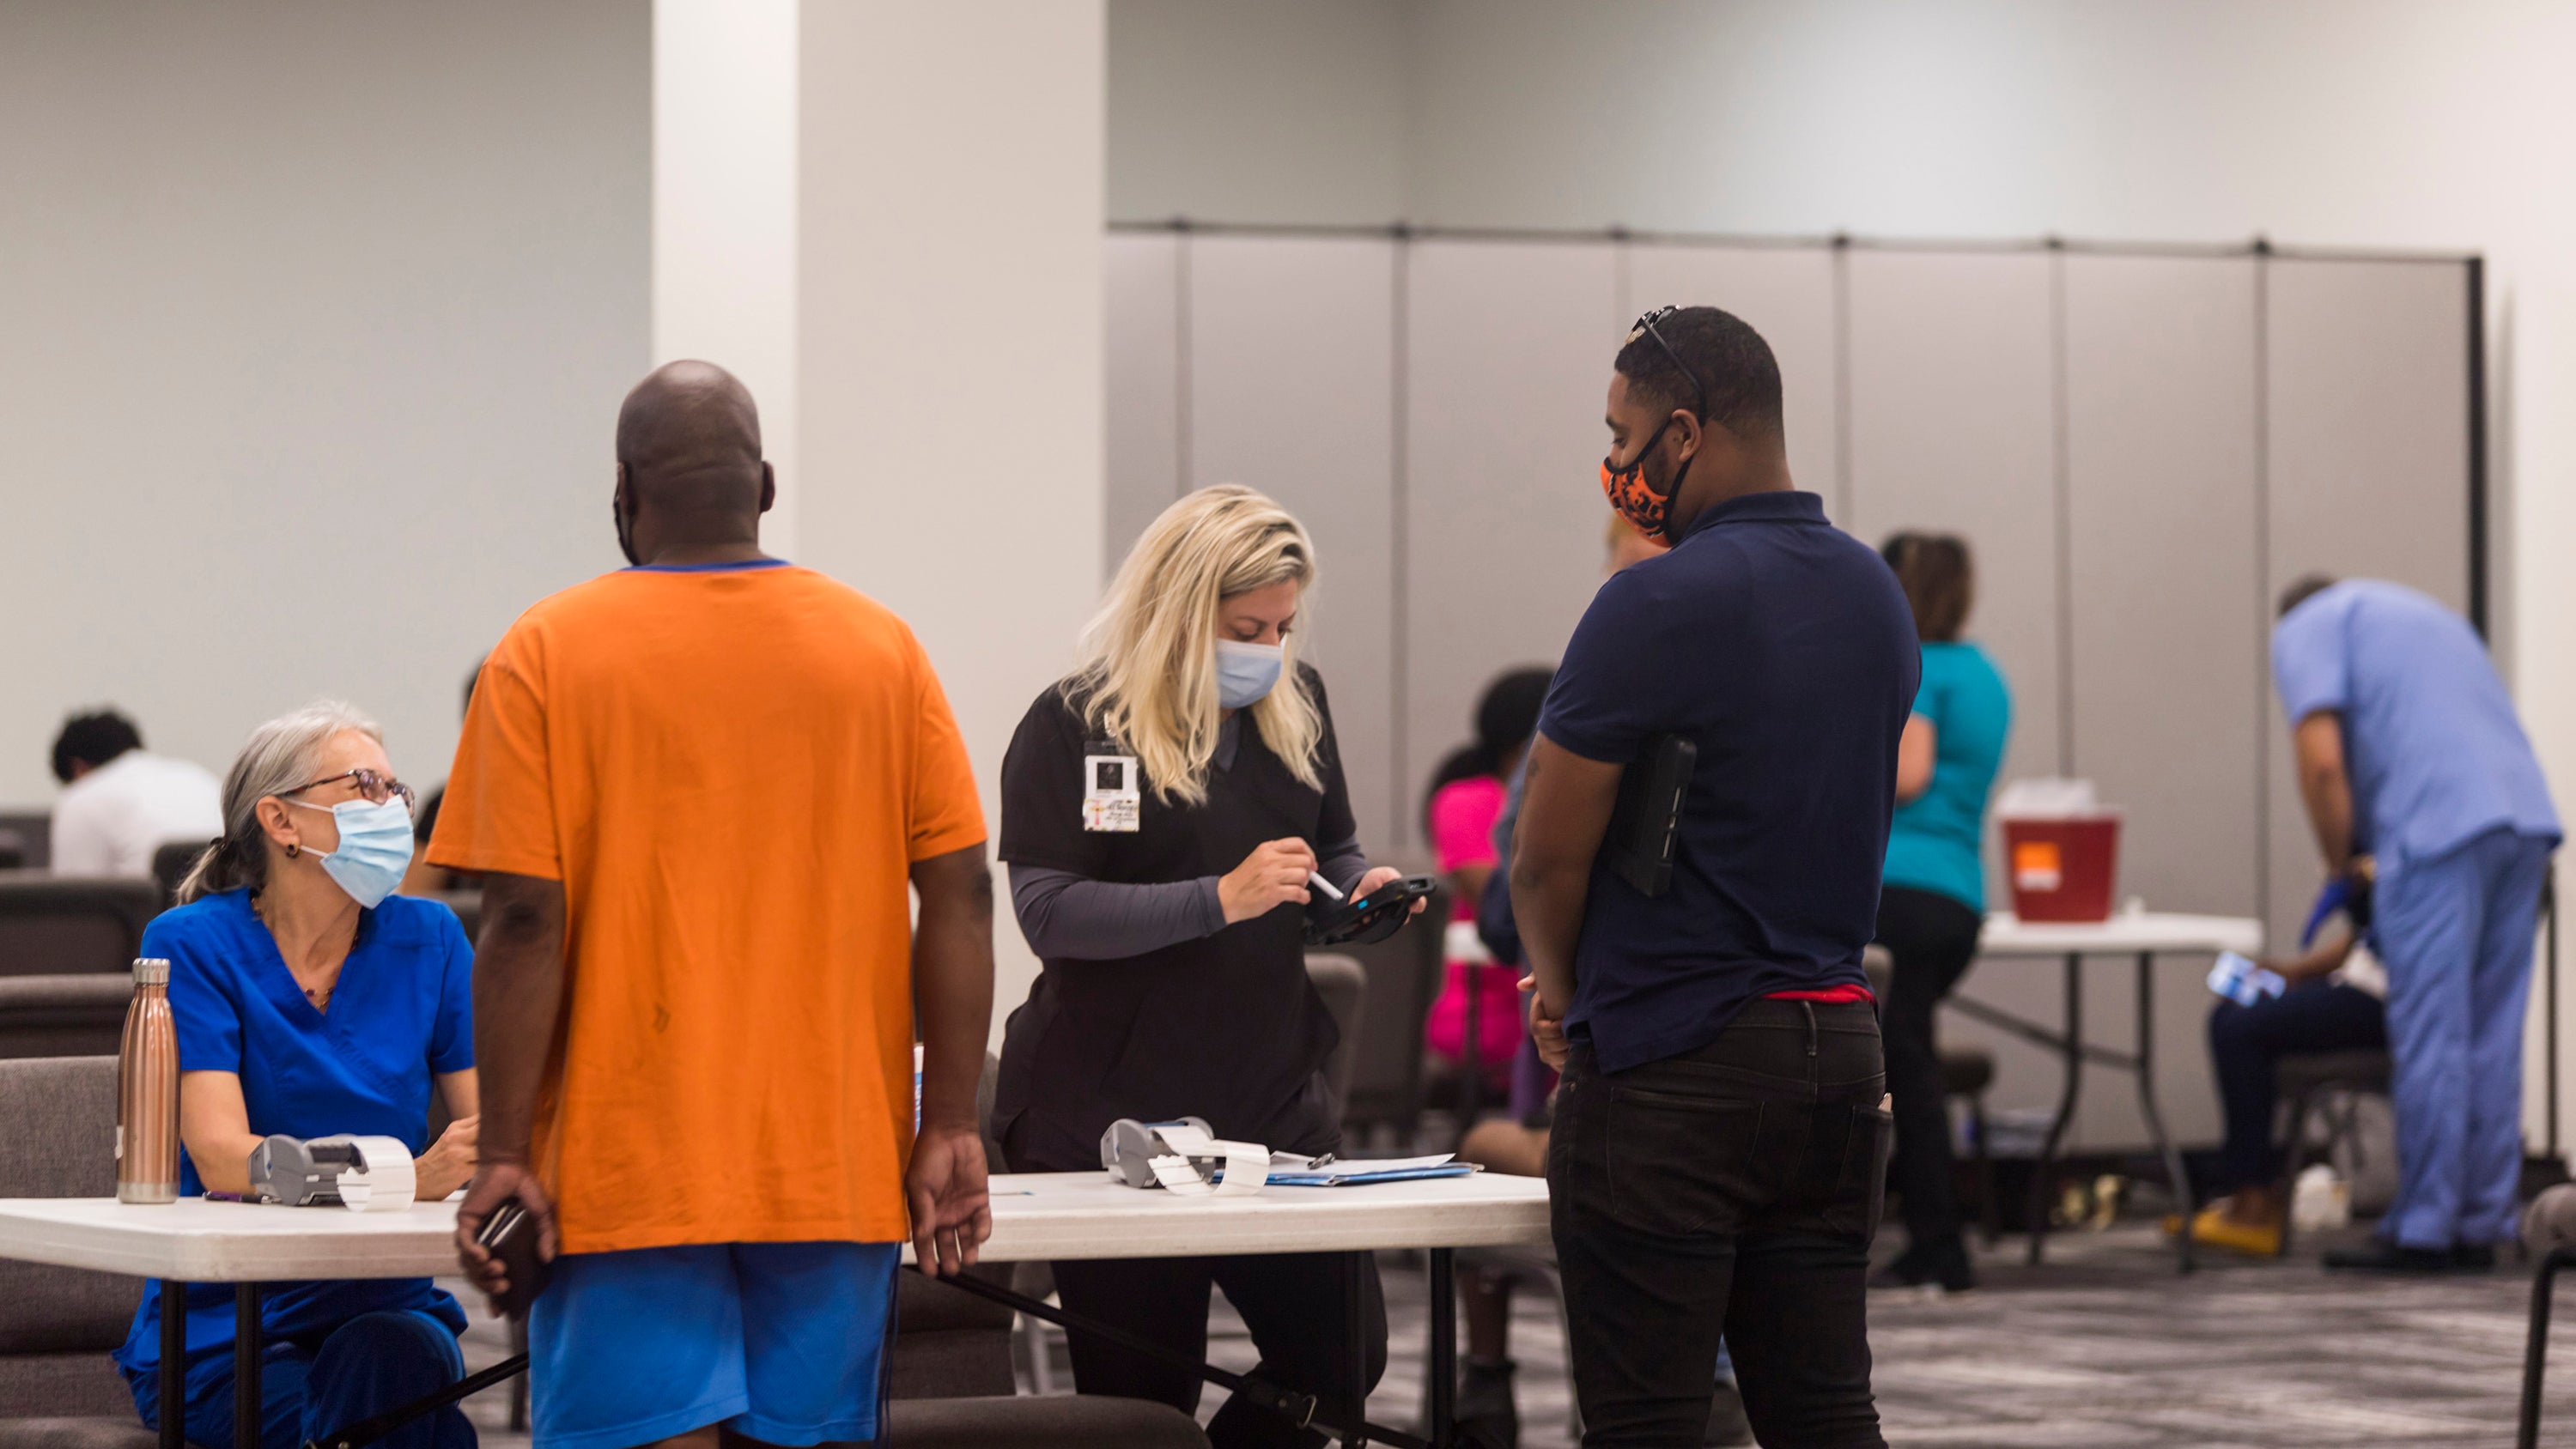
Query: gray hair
x=279 y=756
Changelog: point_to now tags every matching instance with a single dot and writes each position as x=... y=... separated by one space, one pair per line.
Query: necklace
x=320 y=996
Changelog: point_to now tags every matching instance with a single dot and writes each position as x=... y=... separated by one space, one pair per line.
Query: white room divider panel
x=1143 y=338
x=1787 y=293
x=1952 y=367
x=2369 y=452
x=2164 y=619
x=1292 y=391
x=1951 y=363
x=1508 y=351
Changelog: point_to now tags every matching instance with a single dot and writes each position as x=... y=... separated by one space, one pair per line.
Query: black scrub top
x=1225 y=1027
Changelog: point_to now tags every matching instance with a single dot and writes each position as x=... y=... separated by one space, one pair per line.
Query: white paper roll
x=385 y=1182
x=1247 y=1164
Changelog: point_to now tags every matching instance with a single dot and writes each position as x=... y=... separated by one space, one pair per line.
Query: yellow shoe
x=2212 y=1227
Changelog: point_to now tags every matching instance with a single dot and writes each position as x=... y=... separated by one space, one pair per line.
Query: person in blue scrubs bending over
x=311 y=1001
x=2410 y=758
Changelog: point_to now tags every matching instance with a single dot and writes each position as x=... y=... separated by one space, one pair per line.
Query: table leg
x=1358 y=1347
x=1355 y=1278
x=248 y=1409
x=2178 y=1179
x=174 y=1365
x=2042 y=1171
x=1443 y=1364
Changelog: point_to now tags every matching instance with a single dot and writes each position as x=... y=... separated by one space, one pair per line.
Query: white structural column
x=906 y=271
x=724 y=210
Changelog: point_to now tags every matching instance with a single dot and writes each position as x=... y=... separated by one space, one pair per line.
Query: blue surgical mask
x=375 y=848
x=1245 y=672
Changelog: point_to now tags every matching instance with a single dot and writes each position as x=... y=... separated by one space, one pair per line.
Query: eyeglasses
x=1646 y=328
x=373 y=788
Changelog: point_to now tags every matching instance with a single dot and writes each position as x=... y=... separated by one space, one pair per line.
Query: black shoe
x=1726 y=1422
x=1486 y=1416
x=1943 y=1262
x=2473 y=1257
x=2387 y=1257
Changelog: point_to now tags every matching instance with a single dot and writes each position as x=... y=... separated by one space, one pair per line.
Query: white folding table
x=1036 y=1216
x=2142 y=936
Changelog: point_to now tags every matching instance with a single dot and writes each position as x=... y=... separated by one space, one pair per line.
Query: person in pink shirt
x=1480 y=1001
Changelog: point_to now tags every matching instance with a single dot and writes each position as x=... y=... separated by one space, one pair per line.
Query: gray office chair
x=2549 y=1235
x=57 y=926
x=63 y=1016
x=1343 y=983
x=2328 y=1085
x=32 y=832
x=57 y=1388
x=1403 y=975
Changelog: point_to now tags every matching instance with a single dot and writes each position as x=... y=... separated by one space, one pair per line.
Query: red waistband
x=1834 y=996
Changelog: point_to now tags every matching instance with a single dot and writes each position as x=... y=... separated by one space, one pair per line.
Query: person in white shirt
x=120 y=804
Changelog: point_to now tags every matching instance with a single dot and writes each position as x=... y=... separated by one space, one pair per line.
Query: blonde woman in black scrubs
x=1162 y=807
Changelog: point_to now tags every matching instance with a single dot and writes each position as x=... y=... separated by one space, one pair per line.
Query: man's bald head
x=691 y=429
x=688 y=459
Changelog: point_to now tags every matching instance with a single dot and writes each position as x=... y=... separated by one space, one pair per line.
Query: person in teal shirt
x=1932 y=894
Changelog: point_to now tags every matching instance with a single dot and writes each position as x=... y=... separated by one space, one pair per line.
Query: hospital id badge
x=1111 y=801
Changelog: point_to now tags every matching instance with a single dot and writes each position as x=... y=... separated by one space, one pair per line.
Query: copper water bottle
x=147 y=1092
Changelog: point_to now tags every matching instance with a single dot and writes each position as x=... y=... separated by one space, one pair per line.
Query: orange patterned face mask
x=1646 y=510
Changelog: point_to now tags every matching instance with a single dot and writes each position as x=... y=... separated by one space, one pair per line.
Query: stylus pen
x=1316 y=879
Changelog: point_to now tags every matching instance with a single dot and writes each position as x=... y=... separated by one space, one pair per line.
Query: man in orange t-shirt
x=696 y=790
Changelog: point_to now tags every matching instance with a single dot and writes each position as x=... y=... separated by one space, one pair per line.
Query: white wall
x=949 y=343
x=2379 y=123
x=314 y=318
x=1253 y=110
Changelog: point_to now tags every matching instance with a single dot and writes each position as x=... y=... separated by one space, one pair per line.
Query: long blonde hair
x=1146 y=676
x=281 y=755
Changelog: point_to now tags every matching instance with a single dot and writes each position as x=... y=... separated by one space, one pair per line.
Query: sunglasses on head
x=1646 y=328
x=373 y=788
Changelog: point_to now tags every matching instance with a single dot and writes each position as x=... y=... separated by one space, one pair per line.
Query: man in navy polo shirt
x=1721 y=1147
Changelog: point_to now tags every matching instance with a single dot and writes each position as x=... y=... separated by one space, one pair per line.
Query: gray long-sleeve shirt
x=1070 y=916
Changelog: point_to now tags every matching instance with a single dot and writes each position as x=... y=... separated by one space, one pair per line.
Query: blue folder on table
x=1334 y=1177
x=1289 y=1170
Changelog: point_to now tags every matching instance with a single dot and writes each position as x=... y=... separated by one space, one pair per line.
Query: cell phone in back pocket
x=510 y=1236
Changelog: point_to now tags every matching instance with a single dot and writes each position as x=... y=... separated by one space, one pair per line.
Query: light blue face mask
x=375 y=848
x=1245 y=672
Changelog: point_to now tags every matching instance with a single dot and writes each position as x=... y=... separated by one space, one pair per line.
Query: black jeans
x=2245 y=1042
x=1933 y=938
x=1296 y=1304
x=1729 y=1191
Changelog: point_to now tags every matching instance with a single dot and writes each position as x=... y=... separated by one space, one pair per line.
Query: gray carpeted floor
x=2104 y=1345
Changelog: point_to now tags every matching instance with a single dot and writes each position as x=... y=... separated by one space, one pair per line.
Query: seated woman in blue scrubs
x=311 y=1001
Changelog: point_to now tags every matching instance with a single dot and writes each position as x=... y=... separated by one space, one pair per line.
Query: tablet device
x=1649 y=812
x=1371 y=918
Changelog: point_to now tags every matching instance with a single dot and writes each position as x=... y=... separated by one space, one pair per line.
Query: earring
x=290 y=851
